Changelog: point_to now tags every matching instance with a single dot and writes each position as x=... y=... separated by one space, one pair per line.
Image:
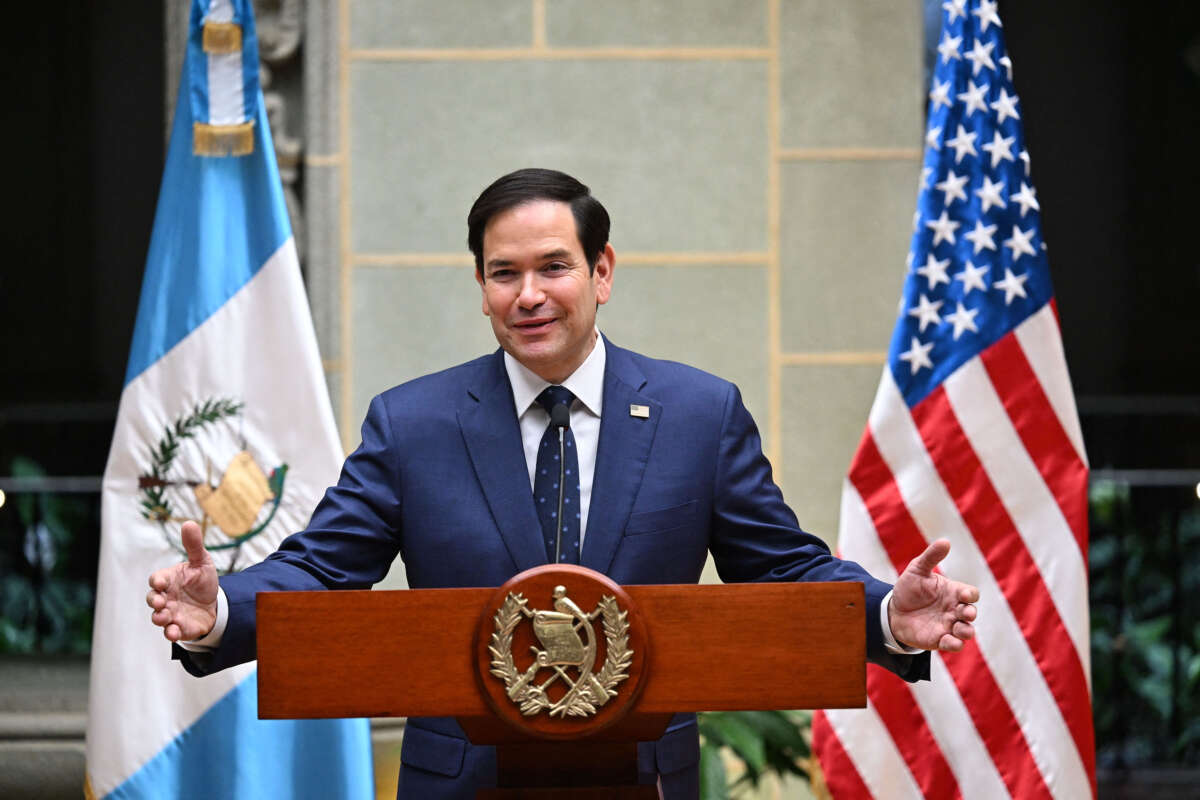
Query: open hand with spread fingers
x=928 y=610
x=184 y=596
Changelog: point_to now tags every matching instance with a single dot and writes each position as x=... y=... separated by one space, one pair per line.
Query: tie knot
x=555 y=395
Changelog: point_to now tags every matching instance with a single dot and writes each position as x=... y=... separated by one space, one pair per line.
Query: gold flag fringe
x=222 y=37
x=222 y=140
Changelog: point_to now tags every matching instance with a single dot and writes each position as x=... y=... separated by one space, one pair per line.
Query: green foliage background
x=765 y=742
x=46 y=581
x=1145 y=606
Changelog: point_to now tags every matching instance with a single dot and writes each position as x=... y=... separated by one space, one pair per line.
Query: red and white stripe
x=992 y=460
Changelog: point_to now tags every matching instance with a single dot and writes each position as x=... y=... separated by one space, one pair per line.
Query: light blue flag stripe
x=229 y=752
x=194 y=85
x=250 y=86
x=218 y=221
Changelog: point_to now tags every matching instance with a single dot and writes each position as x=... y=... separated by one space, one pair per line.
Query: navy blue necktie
x=546 y=494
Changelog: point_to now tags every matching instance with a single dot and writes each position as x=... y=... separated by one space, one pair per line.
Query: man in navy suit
x=669 y=467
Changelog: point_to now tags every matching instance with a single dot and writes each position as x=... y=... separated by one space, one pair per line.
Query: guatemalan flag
x=224 y=419
x=973 y=436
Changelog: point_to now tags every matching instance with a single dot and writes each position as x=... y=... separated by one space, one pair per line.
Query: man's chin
x=535 y=358
x=544 y=361
x=538 y=345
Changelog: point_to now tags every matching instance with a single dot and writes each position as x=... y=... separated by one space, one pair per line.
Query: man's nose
x=531 y=292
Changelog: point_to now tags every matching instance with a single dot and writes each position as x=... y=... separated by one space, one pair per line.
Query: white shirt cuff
x=211 y=640
x=889 y=641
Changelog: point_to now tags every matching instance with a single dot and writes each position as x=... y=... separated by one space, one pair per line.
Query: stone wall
x=759 y=160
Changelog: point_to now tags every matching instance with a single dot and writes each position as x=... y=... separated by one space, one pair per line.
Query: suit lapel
x=621 y=457
x=493 y=437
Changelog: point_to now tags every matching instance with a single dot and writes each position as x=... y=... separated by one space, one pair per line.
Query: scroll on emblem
x=565 y=664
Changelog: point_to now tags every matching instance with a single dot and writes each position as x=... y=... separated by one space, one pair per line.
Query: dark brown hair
x=528 y=185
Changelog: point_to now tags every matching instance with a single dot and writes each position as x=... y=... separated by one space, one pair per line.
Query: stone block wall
x=759 y=159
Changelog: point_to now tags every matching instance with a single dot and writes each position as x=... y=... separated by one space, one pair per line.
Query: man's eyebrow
x=549 y=255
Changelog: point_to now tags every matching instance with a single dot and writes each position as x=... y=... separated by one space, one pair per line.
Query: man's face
x=537 y=288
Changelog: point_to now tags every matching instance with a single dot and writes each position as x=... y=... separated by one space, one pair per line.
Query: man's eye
x=501 y=274
x=556 y=266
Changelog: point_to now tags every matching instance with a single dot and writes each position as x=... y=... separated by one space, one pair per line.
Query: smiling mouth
x=534 y=325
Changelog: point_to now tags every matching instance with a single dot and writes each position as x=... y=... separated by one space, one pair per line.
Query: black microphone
x=560 y=417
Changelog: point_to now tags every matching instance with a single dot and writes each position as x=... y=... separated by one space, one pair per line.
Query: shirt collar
x=586 y=382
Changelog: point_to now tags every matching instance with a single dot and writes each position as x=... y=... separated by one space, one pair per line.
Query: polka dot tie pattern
x=545 y=483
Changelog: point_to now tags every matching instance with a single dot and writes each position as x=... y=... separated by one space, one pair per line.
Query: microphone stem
x=562 y=485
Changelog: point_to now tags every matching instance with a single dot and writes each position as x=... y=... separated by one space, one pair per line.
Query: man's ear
x=602 y=275
x=487 y=312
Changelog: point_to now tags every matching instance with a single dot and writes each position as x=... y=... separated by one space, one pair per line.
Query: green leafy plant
x=1145 y=637
x=764 y=742
x=43 y=607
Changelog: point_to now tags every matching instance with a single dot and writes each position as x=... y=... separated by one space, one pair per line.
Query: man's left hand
x=927 y=609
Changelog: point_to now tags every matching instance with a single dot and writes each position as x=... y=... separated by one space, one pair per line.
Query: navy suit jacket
x=440 y=479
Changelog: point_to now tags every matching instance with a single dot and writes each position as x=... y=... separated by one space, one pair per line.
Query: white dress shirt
x=587 y=384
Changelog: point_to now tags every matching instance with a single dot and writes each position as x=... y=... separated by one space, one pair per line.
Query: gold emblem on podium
x=568 y=650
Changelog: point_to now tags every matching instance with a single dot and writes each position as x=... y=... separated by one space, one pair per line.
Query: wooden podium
x=590 y=696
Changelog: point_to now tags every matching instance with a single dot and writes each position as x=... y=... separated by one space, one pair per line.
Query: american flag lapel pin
x=641 y=412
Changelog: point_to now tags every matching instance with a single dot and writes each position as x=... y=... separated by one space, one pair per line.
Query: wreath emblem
x=230 y=506
x=570 y=656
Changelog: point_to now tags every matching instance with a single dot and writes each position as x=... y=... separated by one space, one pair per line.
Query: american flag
x=973 y=436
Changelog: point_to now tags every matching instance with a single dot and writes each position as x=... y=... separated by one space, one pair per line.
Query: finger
x=967 y=593
x=963 y=631
x=160 y=580
x=967 y=613
x=161 y=618
x=923 y=564
x=193 y=543
x=172 y=632
x=155 y=600
x=950 y=644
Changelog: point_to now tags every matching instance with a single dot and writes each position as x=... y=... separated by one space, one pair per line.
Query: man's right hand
x=184 y=597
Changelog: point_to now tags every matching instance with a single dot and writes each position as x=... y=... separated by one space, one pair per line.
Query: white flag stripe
x=1024 y=494
x=858 y=540
x=278 y=371
x=135 y=725
x=874 y=754
x=220 y=11
x=952 y=727
x=226 y=101
x=945 y=713
x=998 y=634
x=134 y=730
x=1039 y=337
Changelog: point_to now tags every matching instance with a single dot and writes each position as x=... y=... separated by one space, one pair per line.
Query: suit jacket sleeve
x=756 y=537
